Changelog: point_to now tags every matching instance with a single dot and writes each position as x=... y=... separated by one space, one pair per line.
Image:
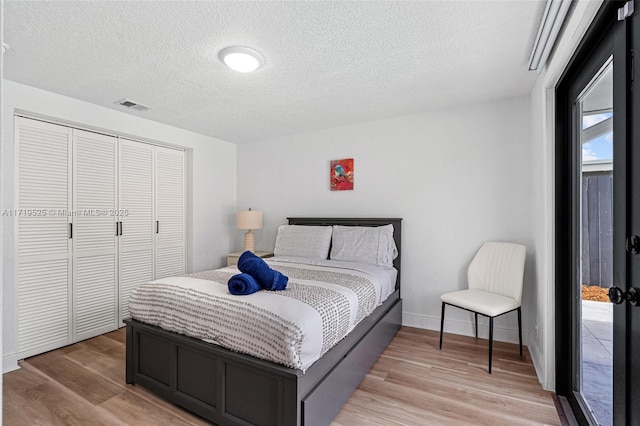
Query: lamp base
x=249 y=241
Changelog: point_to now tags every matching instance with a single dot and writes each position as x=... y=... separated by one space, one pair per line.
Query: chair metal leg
x=476 y=324
x=520 y=329
x=490 y=341
x=441 y=324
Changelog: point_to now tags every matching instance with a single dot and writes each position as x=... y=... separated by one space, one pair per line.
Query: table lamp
x=249 y=220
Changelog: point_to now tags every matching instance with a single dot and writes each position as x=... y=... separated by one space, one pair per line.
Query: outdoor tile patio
x=597 y=359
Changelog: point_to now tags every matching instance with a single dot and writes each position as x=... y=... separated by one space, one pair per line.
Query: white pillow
x=364 y=244
x=303 y=241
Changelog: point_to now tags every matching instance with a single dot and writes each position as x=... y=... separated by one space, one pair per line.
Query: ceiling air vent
x=132 y=105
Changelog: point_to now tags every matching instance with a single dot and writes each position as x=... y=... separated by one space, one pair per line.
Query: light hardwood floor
x=413 y=383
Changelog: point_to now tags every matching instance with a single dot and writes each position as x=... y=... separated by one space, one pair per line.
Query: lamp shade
x=249 y=219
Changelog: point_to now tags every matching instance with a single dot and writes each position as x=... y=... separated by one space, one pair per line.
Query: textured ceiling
x=327 y=63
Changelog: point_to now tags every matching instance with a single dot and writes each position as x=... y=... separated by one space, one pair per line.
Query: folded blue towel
x=253 y=265
x=243 y=284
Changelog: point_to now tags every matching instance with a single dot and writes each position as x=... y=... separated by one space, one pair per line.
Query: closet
x=97 y=216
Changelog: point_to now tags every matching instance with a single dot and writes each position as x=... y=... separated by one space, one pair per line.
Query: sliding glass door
x=594 y=131
x=597 y=216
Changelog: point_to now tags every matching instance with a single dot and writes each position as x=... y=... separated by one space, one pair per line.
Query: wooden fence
x=597 y=228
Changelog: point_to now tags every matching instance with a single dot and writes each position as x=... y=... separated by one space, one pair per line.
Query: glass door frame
x=605 y=36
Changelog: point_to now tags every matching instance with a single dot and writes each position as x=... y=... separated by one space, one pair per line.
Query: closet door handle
x=117 y=228
x=633 y=244
x=157 y=226
x=120 y=227
x=70 y=230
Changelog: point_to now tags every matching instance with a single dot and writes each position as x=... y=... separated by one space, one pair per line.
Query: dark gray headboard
x=348 y=221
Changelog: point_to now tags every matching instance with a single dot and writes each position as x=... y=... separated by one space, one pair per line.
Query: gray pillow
x=364 y=244
x=303 y=241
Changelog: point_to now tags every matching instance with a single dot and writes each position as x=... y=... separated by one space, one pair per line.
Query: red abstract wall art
x=341 y=175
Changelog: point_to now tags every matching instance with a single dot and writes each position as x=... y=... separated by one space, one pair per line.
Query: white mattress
x=323 y=302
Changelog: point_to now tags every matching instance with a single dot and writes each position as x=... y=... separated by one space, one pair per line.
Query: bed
x=232 y=388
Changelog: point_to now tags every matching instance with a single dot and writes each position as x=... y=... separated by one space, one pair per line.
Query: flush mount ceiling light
x=241 y=59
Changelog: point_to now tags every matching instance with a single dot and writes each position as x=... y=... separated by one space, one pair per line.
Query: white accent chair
x=494 y=279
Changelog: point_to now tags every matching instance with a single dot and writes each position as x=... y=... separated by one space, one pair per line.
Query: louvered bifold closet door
x=94 y=234
x=44 y=264
x=170 y=229
x=136 y=202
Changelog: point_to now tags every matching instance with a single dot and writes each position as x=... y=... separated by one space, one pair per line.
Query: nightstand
x=232 y=258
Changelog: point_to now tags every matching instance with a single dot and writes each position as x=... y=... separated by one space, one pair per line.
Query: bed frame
x=230 y=388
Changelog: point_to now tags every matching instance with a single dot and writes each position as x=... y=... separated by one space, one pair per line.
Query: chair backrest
x=498 y=268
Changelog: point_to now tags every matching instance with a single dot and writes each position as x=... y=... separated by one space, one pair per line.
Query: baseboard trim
x=10 y=363
x=538 y=362
x=463 y=328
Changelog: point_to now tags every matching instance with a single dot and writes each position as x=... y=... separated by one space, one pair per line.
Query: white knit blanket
x=293 y=327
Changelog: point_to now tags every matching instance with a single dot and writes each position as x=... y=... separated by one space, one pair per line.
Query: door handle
x=617 y=296
x=633 y=244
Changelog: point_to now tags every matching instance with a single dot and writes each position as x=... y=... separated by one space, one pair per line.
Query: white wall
x=212 y=189
x=1 y=224
x=458 y=177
